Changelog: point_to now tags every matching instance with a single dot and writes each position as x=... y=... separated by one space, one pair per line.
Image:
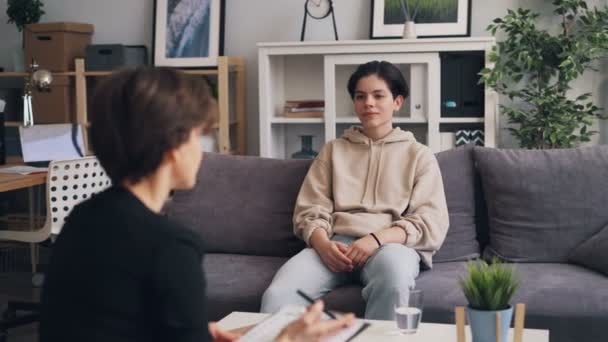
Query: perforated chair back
x=70 y=182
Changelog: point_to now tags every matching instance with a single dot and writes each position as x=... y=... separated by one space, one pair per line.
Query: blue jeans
x=387 y=277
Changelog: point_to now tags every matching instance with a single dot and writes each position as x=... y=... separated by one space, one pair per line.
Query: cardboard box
x=58 y=105
x=54 y=46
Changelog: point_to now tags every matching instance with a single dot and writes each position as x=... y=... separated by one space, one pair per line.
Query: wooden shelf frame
x=226 y=66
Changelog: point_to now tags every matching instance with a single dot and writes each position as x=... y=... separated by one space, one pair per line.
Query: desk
x=12 y=181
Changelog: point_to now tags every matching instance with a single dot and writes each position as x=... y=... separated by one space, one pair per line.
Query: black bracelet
x=376 y=238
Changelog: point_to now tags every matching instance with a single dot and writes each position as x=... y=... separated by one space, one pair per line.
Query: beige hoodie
x=357 y=186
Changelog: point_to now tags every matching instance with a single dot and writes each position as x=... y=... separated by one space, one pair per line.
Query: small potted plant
x=21 y=13
x=488 y=289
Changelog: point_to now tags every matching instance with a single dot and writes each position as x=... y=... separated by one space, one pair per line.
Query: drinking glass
x=409 y=314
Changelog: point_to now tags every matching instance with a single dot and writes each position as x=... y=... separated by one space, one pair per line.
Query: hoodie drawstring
x=378 y=172
x=369 y=170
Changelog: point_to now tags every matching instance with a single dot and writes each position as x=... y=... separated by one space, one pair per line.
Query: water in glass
x=408 y=319
x=409 y=314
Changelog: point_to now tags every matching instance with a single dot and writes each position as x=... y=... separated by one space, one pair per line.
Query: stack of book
x=304 y=108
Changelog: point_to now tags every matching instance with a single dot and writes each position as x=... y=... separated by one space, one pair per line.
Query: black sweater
x=120 y=272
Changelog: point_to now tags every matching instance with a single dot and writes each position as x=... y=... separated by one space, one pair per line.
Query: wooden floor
x=18 y=286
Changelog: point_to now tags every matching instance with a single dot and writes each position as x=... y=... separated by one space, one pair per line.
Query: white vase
x=18 y=63
x=209 y=143
x=409 y=30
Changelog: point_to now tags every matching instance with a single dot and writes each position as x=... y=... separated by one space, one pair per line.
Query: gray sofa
x=529 y=207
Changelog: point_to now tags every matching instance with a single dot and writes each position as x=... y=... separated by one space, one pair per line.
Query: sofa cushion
x=542 y=204
x=460 y=182
x=593 y=253
x=243 y=205
x=237 y=282
x=569 y=300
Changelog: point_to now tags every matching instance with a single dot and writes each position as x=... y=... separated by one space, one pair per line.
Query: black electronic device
x=318 y=9
x=461 y=93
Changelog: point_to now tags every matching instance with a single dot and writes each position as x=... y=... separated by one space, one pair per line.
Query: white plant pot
x=483 y=324
x=409 y=30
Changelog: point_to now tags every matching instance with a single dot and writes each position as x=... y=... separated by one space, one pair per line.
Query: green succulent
x=489 y=286
x=23 y=12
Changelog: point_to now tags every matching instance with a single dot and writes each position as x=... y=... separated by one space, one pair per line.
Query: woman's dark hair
x=384 y=70
x=139 y=114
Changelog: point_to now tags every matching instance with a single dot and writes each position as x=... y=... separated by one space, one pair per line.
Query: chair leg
x=34 y=257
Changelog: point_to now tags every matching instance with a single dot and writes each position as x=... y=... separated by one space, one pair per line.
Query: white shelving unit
x=320 y=70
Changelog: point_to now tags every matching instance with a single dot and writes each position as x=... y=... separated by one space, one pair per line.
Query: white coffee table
x=381 y=330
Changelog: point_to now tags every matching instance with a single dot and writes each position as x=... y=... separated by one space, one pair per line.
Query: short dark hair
x=138 y=114
x=384 y=70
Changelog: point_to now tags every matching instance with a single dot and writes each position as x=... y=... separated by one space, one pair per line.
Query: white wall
x=252 y=21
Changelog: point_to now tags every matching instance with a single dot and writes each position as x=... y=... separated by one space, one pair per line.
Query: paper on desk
x=49 y=142
x=270 y=328
x=23 y=169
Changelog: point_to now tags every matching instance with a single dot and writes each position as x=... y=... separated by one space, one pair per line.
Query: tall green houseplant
x=535 y=67
x=23 y=12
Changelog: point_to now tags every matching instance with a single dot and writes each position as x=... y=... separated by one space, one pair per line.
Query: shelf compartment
x=396 y=120
x=293 y=77
x=282 y=120
x=414 y=67
x=286 y=138
x=462 y=120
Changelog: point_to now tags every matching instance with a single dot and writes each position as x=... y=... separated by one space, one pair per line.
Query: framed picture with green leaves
x=433 y=18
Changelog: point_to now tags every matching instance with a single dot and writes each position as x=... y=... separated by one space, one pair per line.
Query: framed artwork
x=188 y=33
x=433 y=18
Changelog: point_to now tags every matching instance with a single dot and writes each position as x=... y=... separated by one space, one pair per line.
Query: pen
x=311 y=301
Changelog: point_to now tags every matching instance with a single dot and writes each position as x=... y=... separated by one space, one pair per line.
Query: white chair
x=69 y=182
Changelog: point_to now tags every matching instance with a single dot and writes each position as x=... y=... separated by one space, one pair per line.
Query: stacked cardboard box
x=54 y=46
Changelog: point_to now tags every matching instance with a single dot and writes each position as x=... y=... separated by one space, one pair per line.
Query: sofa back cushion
x=243 y=205
x=543 y=203
x=593 y=252
x=463 y=194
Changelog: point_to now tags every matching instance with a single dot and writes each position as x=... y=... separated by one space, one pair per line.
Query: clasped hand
x=339 y=257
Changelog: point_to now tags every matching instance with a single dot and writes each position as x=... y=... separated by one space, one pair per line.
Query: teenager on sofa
x=120 y=271
x=371 y=207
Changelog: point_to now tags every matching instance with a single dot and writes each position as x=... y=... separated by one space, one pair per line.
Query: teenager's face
x=188 y=157
x=374 y=103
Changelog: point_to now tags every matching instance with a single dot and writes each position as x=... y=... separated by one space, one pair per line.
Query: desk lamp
x=39 y=78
